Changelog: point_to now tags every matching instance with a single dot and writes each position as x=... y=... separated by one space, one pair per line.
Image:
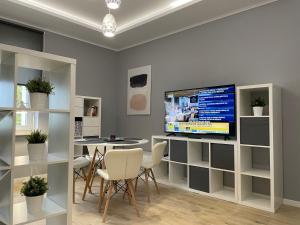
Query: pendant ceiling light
x=113 y=4
x=109 y=25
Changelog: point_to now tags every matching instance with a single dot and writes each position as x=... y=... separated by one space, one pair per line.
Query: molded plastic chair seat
x=103 y=173
x=80 y=162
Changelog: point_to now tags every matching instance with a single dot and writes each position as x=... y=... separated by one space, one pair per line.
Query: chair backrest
x=158 y=152
x=124 y=163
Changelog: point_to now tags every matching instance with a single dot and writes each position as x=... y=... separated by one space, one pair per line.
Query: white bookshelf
x=86 y=125
x=57 y=122
x=260 y=148
x=198 y=168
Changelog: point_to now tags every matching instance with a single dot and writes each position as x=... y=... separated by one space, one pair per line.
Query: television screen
x=201 y=111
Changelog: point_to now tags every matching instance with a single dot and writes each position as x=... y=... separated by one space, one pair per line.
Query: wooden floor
x=176 y=207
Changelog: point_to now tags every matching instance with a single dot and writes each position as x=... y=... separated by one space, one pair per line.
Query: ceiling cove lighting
x=178 y=3
x=113 y=4
x=109 y=25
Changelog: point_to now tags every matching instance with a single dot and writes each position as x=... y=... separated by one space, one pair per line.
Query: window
x=24 y=120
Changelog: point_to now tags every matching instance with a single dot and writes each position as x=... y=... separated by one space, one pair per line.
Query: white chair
x=79 y=164
x=149 y=162
x=121 y=165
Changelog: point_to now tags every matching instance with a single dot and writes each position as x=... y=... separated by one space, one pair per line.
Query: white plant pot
x=258 y=111
x=34 y=204
x=36 y=152
x=39 y=101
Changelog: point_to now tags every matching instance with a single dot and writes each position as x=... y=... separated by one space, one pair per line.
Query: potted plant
x=36 y=145
x=258 y=106
x=34 y=190
x=39 y=93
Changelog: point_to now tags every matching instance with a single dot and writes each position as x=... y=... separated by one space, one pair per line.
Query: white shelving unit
x=90 y=125
x=188 y=165
x=85 y=125
x=59 y=125
x=260 y=148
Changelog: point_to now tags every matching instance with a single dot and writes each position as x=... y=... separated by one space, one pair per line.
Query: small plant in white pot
x=34 y=191
x=258 y=106
x=36 y=145
x=39 y=93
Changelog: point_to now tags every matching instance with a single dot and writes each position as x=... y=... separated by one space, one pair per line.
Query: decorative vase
x=34 y=204
x=258 y=110
x=36 y=152
x=39 y=100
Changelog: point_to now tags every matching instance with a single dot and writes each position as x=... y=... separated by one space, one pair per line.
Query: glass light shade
x=113 y=4
x=109 y=25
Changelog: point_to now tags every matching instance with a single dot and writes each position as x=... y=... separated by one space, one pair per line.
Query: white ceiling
x=139 y=21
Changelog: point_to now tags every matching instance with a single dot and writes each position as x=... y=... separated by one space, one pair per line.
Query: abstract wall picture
x=139 y=91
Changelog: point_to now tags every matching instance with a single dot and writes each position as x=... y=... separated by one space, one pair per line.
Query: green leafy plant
x=258 y=102
x=36 y=137
x=36 y=186
x=39 y=86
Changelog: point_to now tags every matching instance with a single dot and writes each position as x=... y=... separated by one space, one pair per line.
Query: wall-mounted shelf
x=57 y=122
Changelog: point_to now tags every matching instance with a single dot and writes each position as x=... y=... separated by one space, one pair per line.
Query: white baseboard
x=291 y=203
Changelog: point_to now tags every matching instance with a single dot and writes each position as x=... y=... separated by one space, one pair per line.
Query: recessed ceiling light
x=113 y=4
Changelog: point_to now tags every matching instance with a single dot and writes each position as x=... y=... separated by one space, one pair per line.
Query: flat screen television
x=209 y=110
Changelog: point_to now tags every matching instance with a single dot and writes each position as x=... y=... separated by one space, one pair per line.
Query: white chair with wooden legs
x=148 y=164
x=121 y=165
x=79 y=164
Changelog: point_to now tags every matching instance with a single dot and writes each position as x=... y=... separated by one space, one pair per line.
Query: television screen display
x=201 y=111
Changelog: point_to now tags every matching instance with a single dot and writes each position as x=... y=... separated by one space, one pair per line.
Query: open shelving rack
x=197 y=165
x=57 y=122
x=247 y=171
x=260 y=148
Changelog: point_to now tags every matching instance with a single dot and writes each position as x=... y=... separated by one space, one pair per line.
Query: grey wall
x=11 y=34
x=95 y=73
x=258 y=46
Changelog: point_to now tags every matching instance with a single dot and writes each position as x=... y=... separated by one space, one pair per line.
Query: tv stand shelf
x=188 y=165
x=247 y=171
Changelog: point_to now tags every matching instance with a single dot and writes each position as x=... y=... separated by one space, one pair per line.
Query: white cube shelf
x=198 y=154
x=178 y=174
x=197 y=175
x=255 y=192
x=260 y=147
x=223 y=185
x=86 y=125
x=57 y=122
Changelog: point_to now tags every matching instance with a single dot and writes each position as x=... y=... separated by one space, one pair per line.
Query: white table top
x=126 y=143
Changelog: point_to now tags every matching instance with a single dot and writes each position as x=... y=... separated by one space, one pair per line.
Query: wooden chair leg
x=111 y=185
x=147 y=184
x=88 y=180
x=106 y=188
x=130 y=185
x=136 y=184
x=126 y=190
x=84 y=174
x=92 y=179
x=153 y=178
x=100 y=193
x=74 y=186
